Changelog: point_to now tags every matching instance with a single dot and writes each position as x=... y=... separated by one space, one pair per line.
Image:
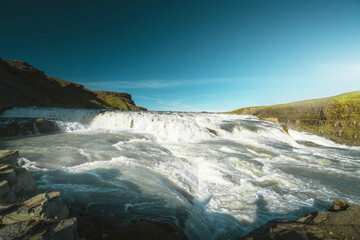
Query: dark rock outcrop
x=341 y=221
x=336 y=117
x=26 y=213
x=26 y=126
x=22 y=85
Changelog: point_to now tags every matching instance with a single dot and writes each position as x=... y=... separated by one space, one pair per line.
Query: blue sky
x=191 y=55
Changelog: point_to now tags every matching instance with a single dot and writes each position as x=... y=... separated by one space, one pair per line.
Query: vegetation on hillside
x=336 y=117
x=22 y=85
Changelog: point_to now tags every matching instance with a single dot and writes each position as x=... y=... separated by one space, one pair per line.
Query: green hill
x=336 y=117
x=22 y=85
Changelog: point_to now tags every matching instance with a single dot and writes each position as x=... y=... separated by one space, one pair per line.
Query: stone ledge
x=24 y=212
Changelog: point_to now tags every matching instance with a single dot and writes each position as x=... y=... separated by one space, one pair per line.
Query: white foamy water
x=213 y=176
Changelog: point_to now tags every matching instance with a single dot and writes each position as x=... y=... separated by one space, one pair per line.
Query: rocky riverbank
x=341 y=221
x=26 y=212
x=337 y=117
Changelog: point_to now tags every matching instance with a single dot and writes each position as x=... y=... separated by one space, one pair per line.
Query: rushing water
x=214 y=176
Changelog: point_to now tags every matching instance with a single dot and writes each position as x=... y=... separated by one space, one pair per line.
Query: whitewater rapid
x=214 y=176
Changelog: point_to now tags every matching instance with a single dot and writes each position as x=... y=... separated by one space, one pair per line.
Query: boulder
x=341 y=221
x=46 y=126
x=26 y=126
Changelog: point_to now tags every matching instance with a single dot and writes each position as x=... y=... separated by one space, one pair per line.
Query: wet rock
x=24 y=181
x=46 y=126
x=341 y=221
x=213 y=132
x=26 y=126
x=9 y=157
x=65 y=229
x=4 y=188
x=11 y=197
x=42 y=216
x=308 y=143
x=339 y=205
x=7 y=174
x=285 y=128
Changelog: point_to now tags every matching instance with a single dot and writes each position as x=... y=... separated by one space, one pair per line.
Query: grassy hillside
x=118 y=100
x=22 y=85
x=336 y=117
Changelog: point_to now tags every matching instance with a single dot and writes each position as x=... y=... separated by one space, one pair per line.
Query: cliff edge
x=336 y=117
x=22 y=85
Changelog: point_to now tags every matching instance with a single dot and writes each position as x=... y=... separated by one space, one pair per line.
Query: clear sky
x=191 y=55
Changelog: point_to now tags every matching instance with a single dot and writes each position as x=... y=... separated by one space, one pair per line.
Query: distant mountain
x=336 y=117
x=22 y=85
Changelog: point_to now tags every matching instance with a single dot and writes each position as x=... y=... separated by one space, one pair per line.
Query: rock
x=339 y=205
x=285 y=128
x=4 y=189
x=8 y=174
x=11 y=197
x=43 y=216
x=24 y=181
x=65 y=229
x=56 y=209
x=341 y=221
x=26 y=126
x=52 y=195
x=213 y=131
x=46 y=126
x=8 y=232
x=9 y=157
x=308 y=143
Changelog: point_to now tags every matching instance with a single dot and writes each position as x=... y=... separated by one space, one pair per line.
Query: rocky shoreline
x=26 y=212
x=341 y=221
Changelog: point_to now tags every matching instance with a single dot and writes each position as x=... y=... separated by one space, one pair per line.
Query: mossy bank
x=336 y=117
